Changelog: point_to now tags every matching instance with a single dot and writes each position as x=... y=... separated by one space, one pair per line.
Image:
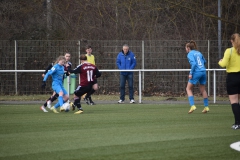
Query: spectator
x=126 y=61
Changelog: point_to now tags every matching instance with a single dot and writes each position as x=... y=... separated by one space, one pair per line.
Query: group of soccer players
x=88 y=73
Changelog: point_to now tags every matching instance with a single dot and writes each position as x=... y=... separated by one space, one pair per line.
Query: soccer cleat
x=73 y=106
x=233 y=126
x=92 y=103
x=62 y=109
x=54 y=109
x=236 y=127
x=43 y=109
x=193 y=108
x=49 y=104
x=205 y=110
x=132 y=101
x=79 y=112
x=120 y=101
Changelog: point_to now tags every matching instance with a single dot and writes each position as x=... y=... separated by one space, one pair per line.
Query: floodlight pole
x=219 y=30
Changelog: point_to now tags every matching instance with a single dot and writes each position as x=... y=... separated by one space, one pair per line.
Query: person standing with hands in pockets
x=231 y=61
x=126 y=61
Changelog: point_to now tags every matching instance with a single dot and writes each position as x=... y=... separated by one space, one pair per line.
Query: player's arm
x=192 y=63
x=118 y=61
x=134 y=62
x=50 y=72
x=224 y=62
x=75 y=70
x=46 y=70
x=68 y=65
x=204 y=60
x=98 y=73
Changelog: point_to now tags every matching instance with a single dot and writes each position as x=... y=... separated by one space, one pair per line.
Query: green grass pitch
x=118 y=131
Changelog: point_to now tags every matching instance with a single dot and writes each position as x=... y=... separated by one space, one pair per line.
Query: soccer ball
x=66 y=107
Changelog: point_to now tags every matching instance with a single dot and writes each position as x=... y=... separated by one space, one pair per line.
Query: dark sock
x=54 y=97
x=45 y=104
x=236 y=113
x=77 y=103
x=90 y=99
x=90 y=93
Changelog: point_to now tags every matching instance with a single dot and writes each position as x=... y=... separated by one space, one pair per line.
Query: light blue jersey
x=57 y=72
x=197 y=61
x=198 y=70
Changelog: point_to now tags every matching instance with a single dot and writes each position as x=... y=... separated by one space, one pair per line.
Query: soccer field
x=118 y=131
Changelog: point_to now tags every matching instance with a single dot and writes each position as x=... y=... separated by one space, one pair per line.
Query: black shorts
x=82 y=90
x=233 y=83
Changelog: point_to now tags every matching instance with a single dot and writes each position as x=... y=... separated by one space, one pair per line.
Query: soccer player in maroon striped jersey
x=87 y=73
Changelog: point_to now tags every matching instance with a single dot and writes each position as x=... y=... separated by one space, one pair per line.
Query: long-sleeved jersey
x=57 y=72
x=197 y=61
x=231 y=60
x=87 y=73
x=65 y=69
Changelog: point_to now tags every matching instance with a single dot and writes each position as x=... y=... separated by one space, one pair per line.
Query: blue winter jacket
x=127 y=61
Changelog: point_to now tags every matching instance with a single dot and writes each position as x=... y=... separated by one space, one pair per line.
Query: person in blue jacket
x=57 y=73
x=197 y=74
x=126 y=61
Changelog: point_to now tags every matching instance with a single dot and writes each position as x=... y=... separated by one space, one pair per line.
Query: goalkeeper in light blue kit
x=57 y=72
x=197 y=74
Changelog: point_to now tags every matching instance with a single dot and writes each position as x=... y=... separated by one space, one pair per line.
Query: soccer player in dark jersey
x=87 y=72
x=54 y=96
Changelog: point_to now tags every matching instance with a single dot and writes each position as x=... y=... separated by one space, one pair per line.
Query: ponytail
x=235 y=38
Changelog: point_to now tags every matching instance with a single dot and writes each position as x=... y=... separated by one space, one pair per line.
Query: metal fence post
x=140 y=87
x=143 y=64
x=209 y=68
x=16 y=83
x=214 y=86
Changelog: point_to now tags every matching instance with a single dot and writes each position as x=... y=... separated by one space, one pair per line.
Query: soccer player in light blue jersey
x=57 y=72
x=197 y=74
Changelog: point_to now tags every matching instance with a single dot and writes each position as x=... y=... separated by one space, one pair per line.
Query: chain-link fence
x=36 y=55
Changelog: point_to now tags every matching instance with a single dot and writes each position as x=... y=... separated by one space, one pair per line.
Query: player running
x=54 y=96
x=57 y=73
x=87 y=73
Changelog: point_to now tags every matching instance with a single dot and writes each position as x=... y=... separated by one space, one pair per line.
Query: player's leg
x=77 y=94
x=53 y=98
x=189 y=89
x=130 y=88
x=58 y=89
x=203 y=91
x=233 y=90
x=122 y=88
x=47 y=103
x=191 y=82
x=65 y=98
x=88 y=96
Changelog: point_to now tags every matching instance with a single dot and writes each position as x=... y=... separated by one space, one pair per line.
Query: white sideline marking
x=236 y=146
